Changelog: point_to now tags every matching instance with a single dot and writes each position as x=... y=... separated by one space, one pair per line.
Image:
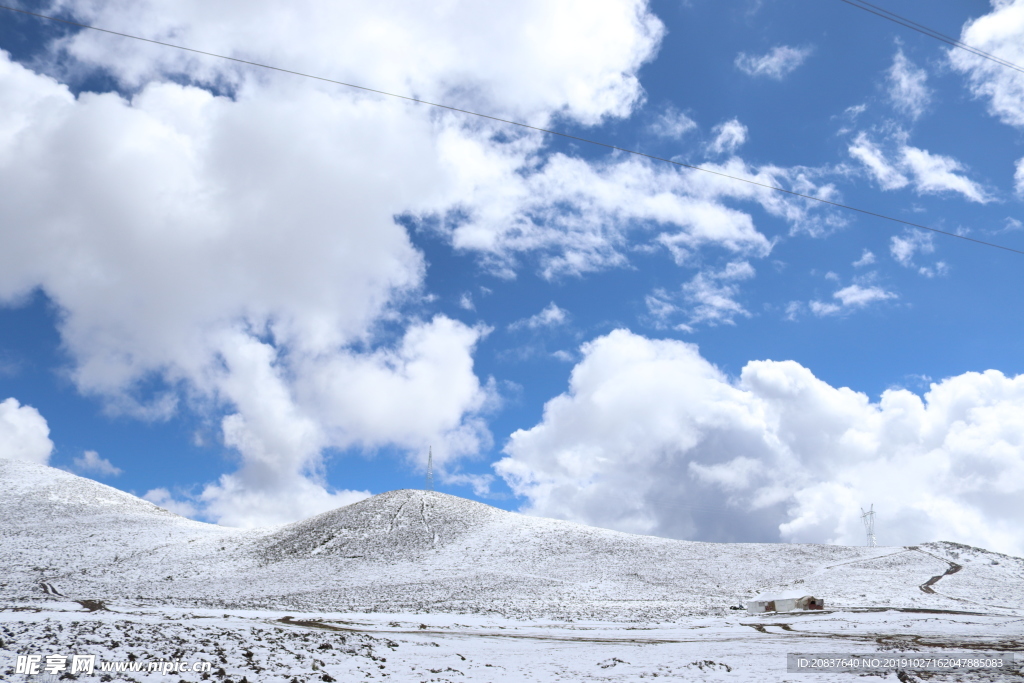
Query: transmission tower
x=430 y=470
x=868 y=518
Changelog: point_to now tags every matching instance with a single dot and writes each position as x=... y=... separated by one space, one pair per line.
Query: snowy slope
x=55 y=524
x=417 y=551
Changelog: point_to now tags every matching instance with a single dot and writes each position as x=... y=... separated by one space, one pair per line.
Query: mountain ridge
x=424 y=551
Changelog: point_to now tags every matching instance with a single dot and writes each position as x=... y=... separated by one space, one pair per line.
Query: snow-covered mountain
x=419 y=551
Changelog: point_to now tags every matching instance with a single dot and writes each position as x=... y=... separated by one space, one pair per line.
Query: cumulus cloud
x=907 y=86
x=1018 y=178
x=229 y=234
x=524 y=60
x=999 y=33
x=92 y=463
x=652 y=438
x=551 y=316
x=24 y=434
x=163 y=498
x=232 y=233
x=820 y=308
x=729 y=137
x=858 y=296
x=778 y=63
x=237 y=499
x=577 y=217
x=168 y=257
x=411 y=396
x=673 y=123
x=905 y=247
x=935 y=174
x=710 y=297
x=885 y=173
x=931 y=173
x=866 y=259
x=851 y=297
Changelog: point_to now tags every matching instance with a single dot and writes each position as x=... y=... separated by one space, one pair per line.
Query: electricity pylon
x=869 y=524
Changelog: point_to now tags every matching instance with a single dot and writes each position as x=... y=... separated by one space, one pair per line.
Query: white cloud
x=793 y=310
x=778 y=63
x=92 y=463
x=651 y=438
x=729 y=137
x=235 y=501
x=24 y=434
x=579 y=217
x=912 y=242
x=710 y=298
x=551 y=316
x=824 y=308
x=907 y=88
x=856 y=110
x=711 y=295
x=869 y=154
x=934 y=174
x=866 y=259
x=904 y=247
x=673 y=123
x=1000 y=33
x=163 y=498
x=931 y=173
x=481 y=483
x=244 y=247
x=852 y=297
x=521 y=60
x=466 y=302
x=858 y=297
x=422 y=392
x=660 y=306
x=1018 y=178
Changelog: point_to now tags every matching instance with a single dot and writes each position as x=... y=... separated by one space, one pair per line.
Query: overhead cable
x=520 y=125
x=914 y=26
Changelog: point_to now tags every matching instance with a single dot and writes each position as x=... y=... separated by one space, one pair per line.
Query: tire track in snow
x=423 y=516
x=786 y=632
x=953 y=568
x=397 y=514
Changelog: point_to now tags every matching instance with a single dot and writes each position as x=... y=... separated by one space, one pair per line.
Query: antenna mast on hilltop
x=430 y=470
x=869 y=524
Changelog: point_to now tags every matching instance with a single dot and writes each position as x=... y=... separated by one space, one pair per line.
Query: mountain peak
x=401 y=524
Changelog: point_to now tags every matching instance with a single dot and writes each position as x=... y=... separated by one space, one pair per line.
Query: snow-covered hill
x=416 y=585
x=431 y=552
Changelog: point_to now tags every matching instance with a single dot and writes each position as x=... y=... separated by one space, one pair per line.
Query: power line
x=932 y=33
x=521 y=125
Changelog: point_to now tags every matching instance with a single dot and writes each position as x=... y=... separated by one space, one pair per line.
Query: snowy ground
x=279 y=646
x=421 y=586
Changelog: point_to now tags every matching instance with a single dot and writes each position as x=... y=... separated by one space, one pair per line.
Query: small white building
x=783 y=603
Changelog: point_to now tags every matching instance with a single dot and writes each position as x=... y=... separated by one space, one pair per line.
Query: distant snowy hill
x=406 y=551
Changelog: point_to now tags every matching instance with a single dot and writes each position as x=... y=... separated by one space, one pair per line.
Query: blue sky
x=253 y=297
